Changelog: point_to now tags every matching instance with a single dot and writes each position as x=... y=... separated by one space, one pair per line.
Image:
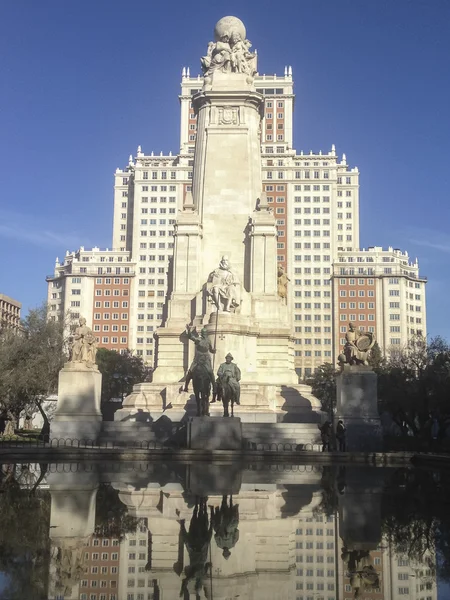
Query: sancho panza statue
x=84 y=346
x=357 y=347
x=223 y=287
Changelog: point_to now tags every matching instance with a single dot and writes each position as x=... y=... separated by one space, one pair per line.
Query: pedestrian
x=325 y=434
x=340 y=435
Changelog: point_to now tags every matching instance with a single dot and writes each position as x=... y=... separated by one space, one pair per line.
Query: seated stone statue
x=357 y=347
x=223 y=287
x=84 y=345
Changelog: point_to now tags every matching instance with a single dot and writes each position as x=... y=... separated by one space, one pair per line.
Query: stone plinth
x=78 y=414
x=206 y=433
x=357 y=406
x=207 y=479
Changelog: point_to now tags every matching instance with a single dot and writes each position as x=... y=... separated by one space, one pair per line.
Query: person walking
x=325 y=434
x=340 y=435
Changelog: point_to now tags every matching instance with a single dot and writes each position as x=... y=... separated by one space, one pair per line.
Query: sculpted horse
x=201 y=382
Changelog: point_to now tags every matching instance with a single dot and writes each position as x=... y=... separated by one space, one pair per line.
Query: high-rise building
x=380 y=291
x=314 y=196
x=95 y=284
x=9 y=313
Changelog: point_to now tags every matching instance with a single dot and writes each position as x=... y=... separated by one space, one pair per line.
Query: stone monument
x=225 y=279
x=78 y=414
x=357 y=399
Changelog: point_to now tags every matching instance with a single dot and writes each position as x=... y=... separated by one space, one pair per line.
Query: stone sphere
x=227 y=26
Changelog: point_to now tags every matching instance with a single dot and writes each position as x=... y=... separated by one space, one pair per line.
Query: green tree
x=30 y=362
x=323 y=386
x=120 y=372
x=376 y=358
x=414 y=385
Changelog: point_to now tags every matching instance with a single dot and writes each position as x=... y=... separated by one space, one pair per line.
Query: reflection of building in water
x=135 y=581
x=101 y=569
x=406 y=579
x=269 y=542
x=259 y=561
x=316 y=557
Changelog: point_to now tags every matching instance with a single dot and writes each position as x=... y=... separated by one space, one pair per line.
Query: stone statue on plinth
x=223 y=287
x=228 y=386
x=200 y=370
x=84 y=346
x=282 y=283
x=357 y=347
x=230 y=53
x=78 y=414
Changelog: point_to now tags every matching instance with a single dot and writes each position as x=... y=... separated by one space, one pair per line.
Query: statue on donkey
x=200 y=371
x=228 y=386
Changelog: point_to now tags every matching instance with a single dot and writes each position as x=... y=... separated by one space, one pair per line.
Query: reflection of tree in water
x=111 y=515
x=226 y=521
x=360 y=569
x=24 y=527
x=197 y=541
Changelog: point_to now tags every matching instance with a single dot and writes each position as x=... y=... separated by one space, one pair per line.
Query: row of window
x=352 y=293
x=107 y=304
x=105 y=328
x=114 y=316
x=152 y=245
x=309 y=354
x=355 y=317
x=99 y=597
x=114 y=340
x=156 y=175
x=317 y=573
x=310 y=586
x=162 y=188
x=298 y=317
x=108 y=293
x=361 y=305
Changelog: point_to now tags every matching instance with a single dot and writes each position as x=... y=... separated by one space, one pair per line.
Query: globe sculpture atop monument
x=227 y=26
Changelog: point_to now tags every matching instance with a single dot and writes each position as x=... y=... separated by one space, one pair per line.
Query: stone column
x=357 y=406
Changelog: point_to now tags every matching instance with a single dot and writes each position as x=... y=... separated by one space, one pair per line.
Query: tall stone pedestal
x=78 y=414
x=357 y=406
x=206 y=433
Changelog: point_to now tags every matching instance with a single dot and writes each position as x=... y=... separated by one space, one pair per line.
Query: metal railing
x=89 y=444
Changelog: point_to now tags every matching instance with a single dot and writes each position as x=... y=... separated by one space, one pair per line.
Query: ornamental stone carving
x=230 y=52
x=228 y=115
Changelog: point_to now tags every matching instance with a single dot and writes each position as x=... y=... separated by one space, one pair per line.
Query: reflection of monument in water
x=220 y=532
x=224 y=272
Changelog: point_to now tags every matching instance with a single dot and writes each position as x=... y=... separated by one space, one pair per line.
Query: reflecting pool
x=153 y=531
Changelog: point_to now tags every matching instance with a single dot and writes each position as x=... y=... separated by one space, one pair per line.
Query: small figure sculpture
x=230 y=53
x=283 y=281
x=360 y=570
x=200 y=370
x=84 y=345
x=223 y=287
x=228 y=386
x=357 y=347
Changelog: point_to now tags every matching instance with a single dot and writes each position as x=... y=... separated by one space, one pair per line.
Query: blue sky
x=82 y=83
